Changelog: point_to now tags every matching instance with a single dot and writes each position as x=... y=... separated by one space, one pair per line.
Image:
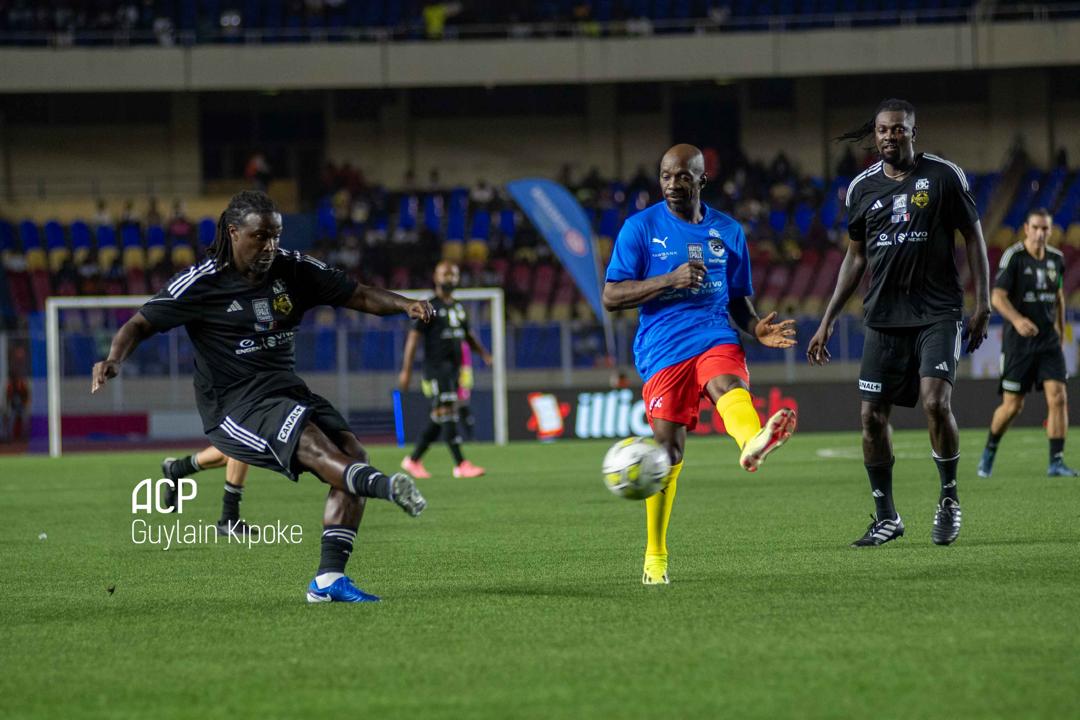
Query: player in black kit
x=903 y=212
x=241 y=308
x=1028 y=293
x=442 y=367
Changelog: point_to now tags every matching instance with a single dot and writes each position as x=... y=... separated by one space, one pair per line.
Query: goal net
x=350 y=358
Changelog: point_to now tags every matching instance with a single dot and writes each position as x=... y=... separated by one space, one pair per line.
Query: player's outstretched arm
x=980 y=272
x=851 y=272
x=765 y=330
x=127 y=338
x=377 y=301
x=478 y=348
x=627 y=294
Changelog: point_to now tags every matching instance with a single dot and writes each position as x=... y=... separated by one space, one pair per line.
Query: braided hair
x=241 y=205
x=867 y=128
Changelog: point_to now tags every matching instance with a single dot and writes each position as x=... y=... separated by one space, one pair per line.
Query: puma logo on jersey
x=660 y=242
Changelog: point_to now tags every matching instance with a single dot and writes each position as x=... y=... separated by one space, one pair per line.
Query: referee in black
x=903 y=213
x=1029 y=295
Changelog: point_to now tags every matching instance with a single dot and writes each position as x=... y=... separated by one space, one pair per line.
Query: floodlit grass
x=519 y=594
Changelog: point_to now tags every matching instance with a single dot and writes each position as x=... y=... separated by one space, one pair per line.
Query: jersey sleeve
x=176 y=304
x=323 y=285
x=628 y=257
x=856 y=219
x=740 y=283
x=960 y=208
x=1006 y=276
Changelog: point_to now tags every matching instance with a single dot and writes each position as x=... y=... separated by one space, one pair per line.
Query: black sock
x=1057 y=449
x=468 y=422
x=992 y=441
x=881 y=488
x=186 y=466
x=946 y=468
x=428 y=436
x=453 y=439
x=230 y=502
x=337 y=542
x=363 y=480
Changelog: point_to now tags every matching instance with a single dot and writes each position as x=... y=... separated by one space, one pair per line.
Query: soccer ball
x=635 y=468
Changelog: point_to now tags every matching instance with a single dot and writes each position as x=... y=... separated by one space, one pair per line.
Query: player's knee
x=937 y=406
x=1014 y=405
x=1056 y=398
x=874 y=420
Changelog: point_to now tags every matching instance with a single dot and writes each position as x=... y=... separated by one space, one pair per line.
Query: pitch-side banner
x=565 y=226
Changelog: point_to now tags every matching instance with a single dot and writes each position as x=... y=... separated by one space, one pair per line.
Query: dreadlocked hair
x=241 y=205
x=857 y=134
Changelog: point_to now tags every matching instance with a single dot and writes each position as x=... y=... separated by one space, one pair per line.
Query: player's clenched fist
x=103 y=371
x=688 y=275
x=420 y=310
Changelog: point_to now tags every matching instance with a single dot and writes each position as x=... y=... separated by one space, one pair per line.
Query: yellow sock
x=740 y=418
x=657 y=516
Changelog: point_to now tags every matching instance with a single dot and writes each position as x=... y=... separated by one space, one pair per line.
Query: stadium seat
x=1072 y=235
x=107 y=249
x=433 y=213
x=81 y=242
x=543 y=285
x=207 y=231
x=33 y=251
x=56 y=246
x=155 y=245
x=131 y=242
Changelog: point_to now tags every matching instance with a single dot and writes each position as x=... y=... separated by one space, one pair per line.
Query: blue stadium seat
x=155 y=245
x=107 y=248
x=408 y=205
x=207 y=231
x=433 y=213
x=81 y=243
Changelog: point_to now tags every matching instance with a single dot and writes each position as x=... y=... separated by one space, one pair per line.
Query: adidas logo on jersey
x=877 y=205
x=942 y=366
x=234 y=307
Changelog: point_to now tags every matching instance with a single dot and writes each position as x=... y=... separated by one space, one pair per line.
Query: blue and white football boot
x=341 y=590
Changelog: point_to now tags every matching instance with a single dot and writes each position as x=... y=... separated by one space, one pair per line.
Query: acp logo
x=150 y=496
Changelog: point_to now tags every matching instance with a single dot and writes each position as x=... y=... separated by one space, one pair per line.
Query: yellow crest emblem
x=283 y=304
x=920 y=199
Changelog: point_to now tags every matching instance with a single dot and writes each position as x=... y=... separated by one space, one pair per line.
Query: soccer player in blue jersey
x=687 y=267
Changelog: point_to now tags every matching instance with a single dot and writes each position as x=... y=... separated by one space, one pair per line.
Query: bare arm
x=980 y=272
x=764 y=330
x=411 y=341
x=1059 y=322
x=999 y=298
x=628 y=294
x=127 y=338
x=478 y=347
x=851 y=272
x=377 y=301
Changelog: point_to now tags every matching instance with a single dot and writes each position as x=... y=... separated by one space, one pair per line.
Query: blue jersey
x=680 y=324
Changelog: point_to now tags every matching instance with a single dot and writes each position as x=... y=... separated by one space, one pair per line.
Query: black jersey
x=909 y=228
x=243 y=334
x=443 y=336
x=1033 y=287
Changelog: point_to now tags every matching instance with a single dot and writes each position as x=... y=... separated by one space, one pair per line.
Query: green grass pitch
x=518 y=595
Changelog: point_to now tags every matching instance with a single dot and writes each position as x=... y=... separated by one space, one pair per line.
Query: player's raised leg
x=945 y=441
x=731 y=396
x=1012 y=404
x=1057 y=425
x=878 y=458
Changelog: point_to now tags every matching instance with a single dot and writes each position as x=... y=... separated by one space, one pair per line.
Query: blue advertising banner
x=563 y=223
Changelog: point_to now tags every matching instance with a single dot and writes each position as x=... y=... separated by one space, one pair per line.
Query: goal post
x=53 y=348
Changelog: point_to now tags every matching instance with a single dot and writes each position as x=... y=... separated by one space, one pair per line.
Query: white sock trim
x=327 y=579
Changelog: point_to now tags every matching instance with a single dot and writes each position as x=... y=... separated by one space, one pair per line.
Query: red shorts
x=674 y=393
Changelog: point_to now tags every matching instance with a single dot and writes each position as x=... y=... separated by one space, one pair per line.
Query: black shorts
x=1022 y=368
x=894 y=360
x=265 y=432
x=441 y=385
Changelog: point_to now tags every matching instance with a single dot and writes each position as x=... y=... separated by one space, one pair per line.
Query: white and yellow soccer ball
x=635 y=468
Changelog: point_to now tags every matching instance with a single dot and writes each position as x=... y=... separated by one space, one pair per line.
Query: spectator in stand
x=180 y=228
x=128 y=217
x=153 y=215
x=257 y=171
x=102 y=216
